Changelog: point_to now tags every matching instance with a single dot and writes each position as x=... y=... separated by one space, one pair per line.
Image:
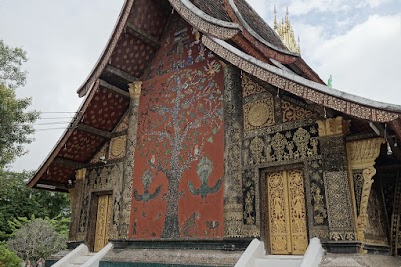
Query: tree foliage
x=20 y=204
x=11 y=60
x=8 y=258
x=36 y=239
x=15 y=120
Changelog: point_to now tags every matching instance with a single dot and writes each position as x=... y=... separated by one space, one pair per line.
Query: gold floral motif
x=294 y=113
x=297 y=211
x=256 y=147
x=117 y=147
x=279 y=143
x=287 y=213
x=301 y=139
x=259 y=114
x=249 y=87
x=102 y=221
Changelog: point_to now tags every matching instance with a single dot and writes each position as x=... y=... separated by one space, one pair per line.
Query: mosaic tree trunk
x=178 y=112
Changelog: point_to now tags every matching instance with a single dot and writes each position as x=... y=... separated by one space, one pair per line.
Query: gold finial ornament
x=286 y=33
x=135 y=89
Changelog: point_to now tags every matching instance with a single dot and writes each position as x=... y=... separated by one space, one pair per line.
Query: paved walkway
x=358 y=260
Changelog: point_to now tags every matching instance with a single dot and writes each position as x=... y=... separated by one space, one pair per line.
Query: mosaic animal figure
x=204 y=169
x=213 y=226
x=147 y=179
x=189 y=228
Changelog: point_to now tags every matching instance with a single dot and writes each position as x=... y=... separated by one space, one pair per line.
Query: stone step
x=278 y=261
x=81 y=259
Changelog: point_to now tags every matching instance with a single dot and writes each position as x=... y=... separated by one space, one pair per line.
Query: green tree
x=11 y=60
x=8 y=258
x=15 y=120
x=36 y=239
x=17 y=202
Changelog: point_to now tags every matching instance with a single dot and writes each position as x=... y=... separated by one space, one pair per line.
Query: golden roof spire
x=275 y=19
x=286 y=33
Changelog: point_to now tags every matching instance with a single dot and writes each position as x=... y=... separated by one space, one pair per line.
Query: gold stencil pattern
x=102 y=221
x=117 y=147
x=287 y=213
x=259 y=114
x=249 y=87
x=293 y=113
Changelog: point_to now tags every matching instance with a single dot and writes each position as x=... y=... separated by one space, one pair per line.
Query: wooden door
x=103 y=218
x=286 y=212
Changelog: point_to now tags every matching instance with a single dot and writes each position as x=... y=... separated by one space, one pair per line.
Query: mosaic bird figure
x=204 y=169
x=147 y=179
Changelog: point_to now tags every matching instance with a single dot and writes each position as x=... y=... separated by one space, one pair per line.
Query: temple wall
x=270 y=132
x=178 y=166
x=278 y=132
x=103 y=176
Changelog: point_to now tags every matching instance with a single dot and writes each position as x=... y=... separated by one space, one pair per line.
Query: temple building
x=201 y=130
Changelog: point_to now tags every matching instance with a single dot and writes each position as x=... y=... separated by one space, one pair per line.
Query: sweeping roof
x=232 y=30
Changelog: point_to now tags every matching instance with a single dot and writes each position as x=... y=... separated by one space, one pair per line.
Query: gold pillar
x=361 y=156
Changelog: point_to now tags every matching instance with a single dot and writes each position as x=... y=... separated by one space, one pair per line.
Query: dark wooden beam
x=94 y=131
x=121 y=74
x=114 y=88
x=51 y=186
x=150 y=40
x=68 y=163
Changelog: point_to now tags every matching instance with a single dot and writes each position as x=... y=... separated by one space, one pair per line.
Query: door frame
x=264 y=204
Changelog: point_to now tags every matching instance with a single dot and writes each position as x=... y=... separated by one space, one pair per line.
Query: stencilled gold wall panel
x=287 y=212
x=291 y=145
x=293 y=112
x=249 y=87
x=279 y=131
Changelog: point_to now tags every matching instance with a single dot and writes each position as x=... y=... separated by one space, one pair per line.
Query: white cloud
x=365 y=61
x=63 y=40
x=302 y=7
x=376 y=3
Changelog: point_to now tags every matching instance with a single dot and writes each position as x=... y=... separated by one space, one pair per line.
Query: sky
x=358 y=42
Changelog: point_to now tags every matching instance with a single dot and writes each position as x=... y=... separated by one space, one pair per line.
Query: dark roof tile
x=258 y=24
x=214 y=8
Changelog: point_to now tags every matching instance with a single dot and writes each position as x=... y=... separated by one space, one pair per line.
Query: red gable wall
x=179 y=164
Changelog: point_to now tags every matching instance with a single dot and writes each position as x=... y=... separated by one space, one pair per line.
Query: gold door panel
x=102 y=222
x=286 y=212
